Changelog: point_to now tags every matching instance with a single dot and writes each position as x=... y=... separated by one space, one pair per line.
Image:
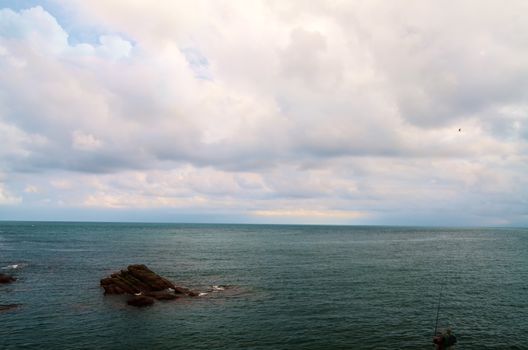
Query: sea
x=284 y=286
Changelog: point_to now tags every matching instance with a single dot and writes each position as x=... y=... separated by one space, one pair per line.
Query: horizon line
x=253 y=224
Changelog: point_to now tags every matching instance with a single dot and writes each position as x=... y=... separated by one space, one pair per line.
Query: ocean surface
x=292 y=287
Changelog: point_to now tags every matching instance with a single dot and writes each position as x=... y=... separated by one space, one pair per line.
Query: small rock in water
x=8 y=307
x=6 y=278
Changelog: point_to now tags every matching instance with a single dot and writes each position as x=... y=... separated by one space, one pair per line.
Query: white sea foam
x=12 y=267
x=218 y=288
x=201 y=294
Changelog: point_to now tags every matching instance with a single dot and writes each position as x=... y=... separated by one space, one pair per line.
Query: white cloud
x=61 y=184
x=304 y=215
x=34 y=26
x=114 y=47
x=85 y=142
x=255 y=106
x=7 y=198
x=31 y=189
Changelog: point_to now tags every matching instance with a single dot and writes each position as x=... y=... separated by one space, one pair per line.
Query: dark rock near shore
x=144 y=284
x=6 y=278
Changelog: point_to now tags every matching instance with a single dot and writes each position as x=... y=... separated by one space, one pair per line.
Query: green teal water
x=294 y=287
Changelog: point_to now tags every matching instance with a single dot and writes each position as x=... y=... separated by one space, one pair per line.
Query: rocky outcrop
x=6 y=278
x=144 y=285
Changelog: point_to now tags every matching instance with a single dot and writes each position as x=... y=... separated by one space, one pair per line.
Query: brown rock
x=125 y=286
x=149 y=278
x=185 y=291
x=113 y=289
x=106 y=281
x=140 y=281
x=6 y=278
x=182 y=290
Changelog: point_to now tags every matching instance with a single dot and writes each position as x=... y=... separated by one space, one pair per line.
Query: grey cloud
x=443 y=73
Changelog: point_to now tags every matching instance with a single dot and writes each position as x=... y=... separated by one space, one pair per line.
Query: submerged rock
x=140 y=301
x=8 y=307
x=6 y=278
x=144 y=284
x=163 y=295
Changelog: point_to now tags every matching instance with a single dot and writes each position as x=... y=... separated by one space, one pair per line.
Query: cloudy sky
x=338 y=112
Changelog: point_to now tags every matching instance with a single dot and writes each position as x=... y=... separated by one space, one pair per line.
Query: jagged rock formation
x=143 y=285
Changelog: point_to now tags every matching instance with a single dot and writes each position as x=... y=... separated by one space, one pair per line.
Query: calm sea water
x=295 y=287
